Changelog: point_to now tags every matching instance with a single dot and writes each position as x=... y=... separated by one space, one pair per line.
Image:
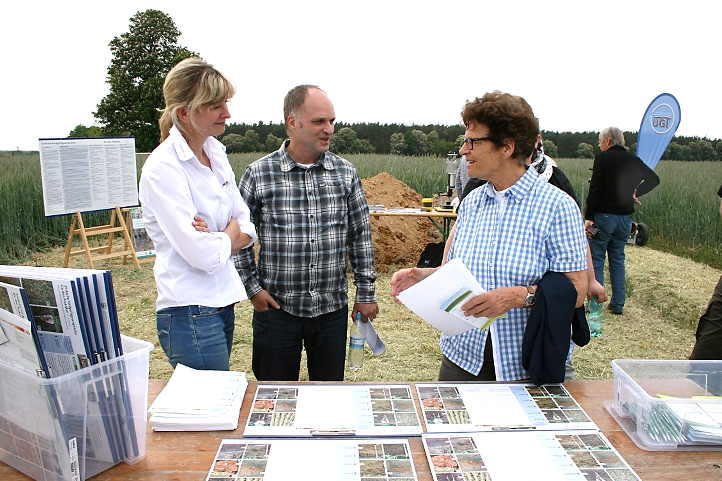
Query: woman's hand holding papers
x=495 y=302
x=490 y=304
x=405 y=278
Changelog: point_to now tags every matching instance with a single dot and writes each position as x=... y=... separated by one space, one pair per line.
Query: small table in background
x=442 y=219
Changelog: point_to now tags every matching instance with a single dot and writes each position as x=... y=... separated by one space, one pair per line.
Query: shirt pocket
x=333 y=198
x=285 y=222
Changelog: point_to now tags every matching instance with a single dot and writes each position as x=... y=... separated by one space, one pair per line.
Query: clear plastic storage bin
x=76 y=425
x=669 y=405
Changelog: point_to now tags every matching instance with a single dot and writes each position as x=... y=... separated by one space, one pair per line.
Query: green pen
x=656 y=431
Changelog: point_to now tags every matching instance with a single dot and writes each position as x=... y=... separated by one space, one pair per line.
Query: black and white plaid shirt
x=309 y=220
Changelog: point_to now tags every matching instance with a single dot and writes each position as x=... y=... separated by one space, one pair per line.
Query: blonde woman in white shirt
x=197 y=219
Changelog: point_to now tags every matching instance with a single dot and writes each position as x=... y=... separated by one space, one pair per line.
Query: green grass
x=666 y=296
x=682 y=213
x=425 y=174
x=24 y=228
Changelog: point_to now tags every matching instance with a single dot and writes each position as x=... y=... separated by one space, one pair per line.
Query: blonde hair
x=192 y=83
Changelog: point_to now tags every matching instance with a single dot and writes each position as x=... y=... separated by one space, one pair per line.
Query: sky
x=581 y=65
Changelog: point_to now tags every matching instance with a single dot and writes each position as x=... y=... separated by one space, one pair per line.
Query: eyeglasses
x=469 y=141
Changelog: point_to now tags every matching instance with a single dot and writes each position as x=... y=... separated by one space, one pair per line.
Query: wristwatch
x=530 y=297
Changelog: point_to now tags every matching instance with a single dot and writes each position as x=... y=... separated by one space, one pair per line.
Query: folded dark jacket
x=553 y=317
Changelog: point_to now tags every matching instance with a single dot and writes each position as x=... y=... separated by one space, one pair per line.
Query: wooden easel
x=78 y=228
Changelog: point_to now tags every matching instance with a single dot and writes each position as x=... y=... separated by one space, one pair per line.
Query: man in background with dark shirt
x=619 y=178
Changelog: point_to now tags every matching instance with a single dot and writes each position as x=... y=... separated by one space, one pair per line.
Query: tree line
x=143 y=56
x=585 y=145
x=399 y=139
x=358 y=138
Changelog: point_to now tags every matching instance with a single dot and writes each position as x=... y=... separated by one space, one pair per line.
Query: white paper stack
x=195 y=400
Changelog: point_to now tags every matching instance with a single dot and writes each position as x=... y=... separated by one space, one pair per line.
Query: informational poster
x=499 y=407
x=83 y=175
x=513 y=456
x=317 y=459
x=333 y=410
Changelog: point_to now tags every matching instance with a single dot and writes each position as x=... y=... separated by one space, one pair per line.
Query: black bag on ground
x=432 y=255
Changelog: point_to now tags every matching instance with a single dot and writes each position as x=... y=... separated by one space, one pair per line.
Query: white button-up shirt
x=191 y=267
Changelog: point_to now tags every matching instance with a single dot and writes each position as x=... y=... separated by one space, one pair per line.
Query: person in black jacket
x=619 y=178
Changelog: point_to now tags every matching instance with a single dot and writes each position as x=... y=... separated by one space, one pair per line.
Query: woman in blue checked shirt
x=509 y=233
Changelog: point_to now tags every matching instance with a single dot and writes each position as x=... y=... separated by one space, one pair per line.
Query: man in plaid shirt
x=311 y=215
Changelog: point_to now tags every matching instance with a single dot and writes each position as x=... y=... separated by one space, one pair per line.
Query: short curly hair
x=508 y=117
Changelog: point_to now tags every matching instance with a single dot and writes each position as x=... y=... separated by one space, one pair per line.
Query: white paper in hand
x=437 y=298
x=372 y=337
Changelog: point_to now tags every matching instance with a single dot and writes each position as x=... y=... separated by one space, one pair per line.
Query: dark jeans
x=614 y=230
x=279 y=337
x=709 y=329
x=199 y=337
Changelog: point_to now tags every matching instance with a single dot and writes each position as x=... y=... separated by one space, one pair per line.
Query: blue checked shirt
x=309 y=222
x=541 y=230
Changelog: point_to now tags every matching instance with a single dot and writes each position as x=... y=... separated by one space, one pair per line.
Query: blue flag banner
x=659 y=124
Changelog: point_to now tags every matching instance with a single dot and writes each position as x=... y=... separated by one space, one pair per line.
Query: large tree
x=585 y=151
x=345 y=141
x=81 y=130
x=141 y=59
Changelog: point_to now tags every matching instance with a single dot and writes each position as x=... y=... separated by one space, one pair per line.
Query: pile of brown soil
x=398 y=241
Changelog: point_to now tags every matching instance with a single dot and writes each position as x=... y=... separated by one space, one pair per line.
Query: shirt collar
x=212 y=146
x=287 y=162
x=520 y=188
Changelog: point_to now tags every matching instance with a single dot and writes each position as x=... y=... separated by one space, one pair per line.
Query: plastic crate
x=76 y=425
x=669 y=405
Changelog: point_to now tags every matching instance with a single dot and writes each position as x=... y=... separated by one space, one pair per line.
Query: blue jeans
x=199 y=337
x=614 y=230
x=279 y=337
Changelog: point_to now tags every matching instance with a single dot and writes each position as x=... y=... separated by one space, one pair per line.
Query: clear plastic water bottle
x=594 y=317
x=356 y=346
